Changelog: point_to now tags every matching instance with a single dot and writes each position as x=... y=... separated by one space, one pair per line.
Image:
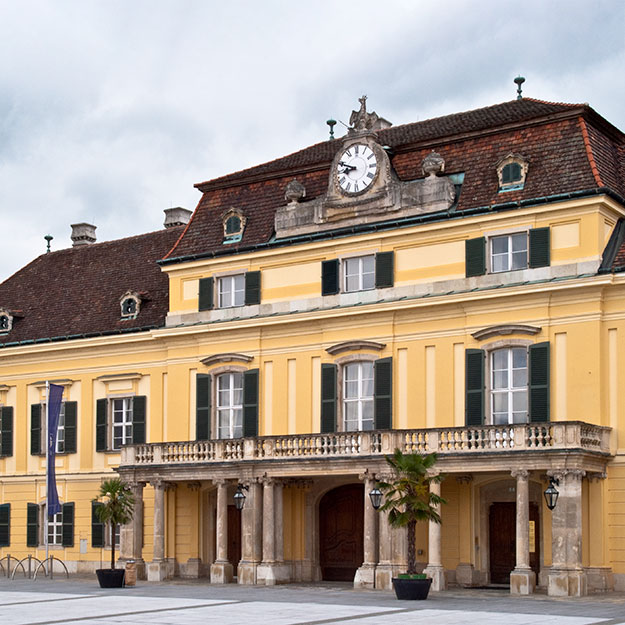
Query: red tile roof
x=570 y=148
x=77 y=291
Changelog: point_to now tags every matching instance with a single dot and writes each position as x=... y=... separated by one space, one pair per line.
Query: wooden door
x=234 y=537
x=341 y=526
x=502 y=538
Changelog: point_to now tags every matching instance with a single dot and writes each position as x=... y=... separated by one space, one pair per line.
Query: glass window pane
x=519 y=357
x=519 y=378
x=368 y=281
x=500 y=402
x=368 y=264
x=500 y=263
x=500 y=359
x=519 y=242
x=519 y=401
x=351 y=389
x=500 y=379
x=519 y=260
x=500 y=245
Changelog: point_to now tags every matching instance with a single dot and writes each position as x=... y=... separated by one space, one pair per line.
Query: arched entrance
x=341 y=512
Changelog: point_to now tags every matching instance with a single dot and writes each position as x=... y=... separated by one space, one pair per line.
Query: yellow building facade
x=452 y=286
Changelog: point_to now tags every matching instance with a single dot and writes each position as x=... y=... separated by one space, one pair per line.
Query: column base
x=365 y=576
x=383 y=577
x=467 y=576
x=522 y=582
x=191 y=569
x=158 y=571
x=246 y=572
x=221 y=572
x=272 y=573
x=567 y=583
x=437 y=573
x=600 y=578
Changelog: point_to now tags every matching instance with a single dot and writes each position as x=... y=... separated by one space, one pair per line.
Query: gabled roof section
x=76 y=292
x=570 y=148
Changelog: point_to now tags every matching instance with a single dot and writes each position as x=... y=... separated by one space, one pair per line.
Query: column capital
x=559 y=474
x=520 y=474
x=464 y=479
x=596 y=475
x=194 y=486
x=220 y=481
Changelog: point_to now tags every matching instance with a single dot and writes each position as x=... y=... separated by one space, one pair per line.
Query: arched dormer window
x=233 y=225
x=130 y=304
x=6 y=321
x=511 y=172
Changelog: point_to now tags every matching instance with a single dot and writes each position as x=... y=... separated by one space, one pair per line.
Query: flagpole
x=45 y=516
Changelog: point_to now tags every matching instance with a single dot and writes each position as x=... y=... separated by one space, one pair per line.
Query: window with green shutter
x=202 y=407
x=71 y=417
x=101 y=424
x=6 y=431
x=330 y=277
x=138 y=420
x=539 y=247
x=384 y=269
x=205 y=295
x=252 y=288
x=328 y=398
x=35 y=430
x=250 y=403
x=539 y=382
x=32 y=525
x=68 y=524
x=475 y=257
x=474 y=387
x=97 y=527
x=5 y=525
x=383 y=393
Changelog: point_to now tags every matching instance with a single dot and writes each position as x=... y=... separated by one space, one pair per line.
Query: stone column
x=131 y=534
x=384 y=569
x=435 y=569
x=222 y=570
x=252 y=534
x=522 y=578
x=566 y=576
x=157 y=569
x=271 y=571
x=365 y=575
x=279 y=521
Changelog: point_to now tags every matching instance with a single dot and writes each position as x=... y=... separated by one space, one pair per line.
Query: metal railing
x=463 y=440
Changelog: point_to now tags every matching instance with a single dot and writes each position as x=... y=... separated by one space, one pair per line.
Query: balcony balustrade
x=565 y=435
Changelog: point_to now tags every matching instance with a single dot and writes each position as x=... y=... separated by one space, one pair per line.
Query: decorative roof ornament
x=295 y=191
x=519 y=80
x=360 y=121
x=433 y=164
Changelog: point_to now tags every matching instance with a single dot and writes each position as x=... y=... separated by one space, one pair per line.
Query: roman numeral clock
x=356 y=169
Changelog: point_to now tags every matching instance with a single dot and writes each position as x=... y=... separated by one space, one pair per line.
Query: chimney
x=176 y=216
x=83 y=234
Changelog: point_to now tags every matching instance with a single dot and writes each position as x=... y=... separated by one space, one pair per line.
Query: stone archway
x=341 y=513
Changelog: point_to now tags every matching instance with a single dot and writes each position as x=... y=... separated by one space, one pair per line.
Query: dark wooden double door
x=502 y=541
x=341 y=528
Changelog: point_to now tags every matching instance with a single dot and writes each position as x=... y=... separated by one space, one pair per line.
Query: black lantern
x=551 y=493
x=239 y=497
x=376 y=498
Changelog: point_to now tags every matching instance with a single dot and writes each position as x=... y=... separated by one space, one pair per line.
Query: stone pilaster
x=158 y=569
x=522 y=578
x=270 y=571
x=131 y=534
x=365 y=575
x=566 y=576
x=252 y=534
x=435 y=569
x=465 y=571
x=221 y=570
x=384 y=568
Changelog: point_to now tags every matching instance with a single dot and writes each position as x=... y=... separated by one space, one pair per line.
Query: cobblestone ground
x=80 y=601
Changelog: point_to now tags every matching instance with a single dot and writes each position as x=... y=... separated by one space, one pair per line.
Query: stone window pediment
x=226 y=358
x=350 y=346
x=511 y=172
x=504 y=330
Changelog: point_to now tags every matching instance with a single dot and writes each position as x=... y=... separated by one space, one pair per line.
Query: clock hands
x=346 y=167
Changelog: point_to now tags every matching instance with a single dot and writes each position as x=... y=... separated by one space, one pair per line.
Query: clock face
x=357 y=168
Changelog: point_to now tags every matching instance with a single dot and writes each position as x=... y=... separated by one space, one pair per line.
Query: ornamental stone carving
x=295 y=191
x=433 y=164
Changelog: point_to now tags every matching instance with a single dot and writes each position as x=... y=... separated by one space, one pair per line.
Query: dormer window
x=511 y=172
x=130 y=304
x=6 y=321
x=233 y=224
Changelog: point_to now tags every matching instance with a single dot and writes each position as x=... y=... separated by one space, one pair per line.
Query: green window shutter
x=100 y=424
x=32 y=525
x=540 y=247
x=329 y=277
x=539 y=382
x=71 y=410
x=138 y=419
x=68 y=525
x=250 y=403
x=97 y=527
x=383 y=390
x=252 y=287
x=384 y=269
x=35 y=429
x=475 y=257
x=474 y=390
x=5 y=525
x=205 y=294
x=202 y=407
x=328 y=398
x=6 y=431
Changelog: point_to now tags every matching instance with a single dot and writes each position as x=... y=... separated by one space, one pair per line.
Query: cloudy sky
x=110 y=110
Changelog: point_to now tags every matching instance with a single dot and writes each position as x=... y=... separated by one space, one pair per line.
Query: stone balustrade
x=565 y=435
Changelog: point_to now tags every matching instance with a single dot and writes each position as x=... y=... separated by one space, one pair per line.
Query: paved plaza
x=80 y=601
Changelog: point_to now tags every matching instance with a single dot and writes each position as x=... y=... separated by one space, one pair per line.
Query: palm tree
x=116 y=509
x=408 y=497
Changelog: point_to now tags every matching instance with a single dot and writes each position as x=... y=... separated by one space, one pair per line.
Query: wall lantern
x=239 y=496
x=551 y=493
x=376 y=498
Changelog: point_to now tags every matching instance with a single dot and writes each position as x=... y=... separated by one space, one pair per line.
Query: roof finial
x=519 y=80
x=48 y=238
x=331 y=123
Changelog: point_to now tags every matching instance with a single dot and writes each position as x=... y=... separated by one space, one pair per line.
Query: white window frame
x=353 y=267
x=126 y=409
x=55 y=526
x=60 y=443
x=227 y=287
x=509 y=254
x=230 y=409
x=510 y=390
x=360 y=399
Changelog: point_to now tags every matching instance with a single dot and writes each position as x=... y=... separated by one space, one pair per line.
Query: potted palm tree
x=408 y=499
x=116 y=507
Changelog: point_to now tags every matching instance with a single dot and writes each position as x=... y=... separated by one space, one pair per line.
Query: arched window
x=511 y=172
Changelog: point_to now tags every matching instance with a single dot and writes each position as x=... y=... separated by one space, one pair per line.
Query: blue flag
x=55 y=396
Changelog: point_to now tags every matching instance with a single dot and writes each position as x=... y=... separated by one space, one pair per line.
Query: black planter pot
x=110 y=578
x=411 y=589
